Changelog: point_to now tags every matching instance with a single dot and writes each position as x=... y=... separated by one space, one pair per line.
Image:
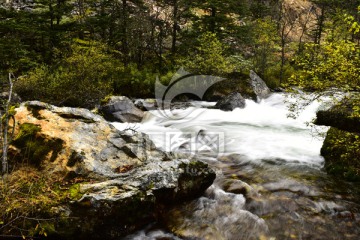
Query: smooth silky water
x=270 y=183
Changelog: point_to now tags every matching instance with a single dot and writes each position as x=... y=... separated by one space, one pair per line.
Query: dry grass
x=27 y=200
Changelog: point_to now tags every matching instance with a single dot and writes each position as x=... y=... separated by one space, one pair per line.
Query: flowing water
x=270 y=183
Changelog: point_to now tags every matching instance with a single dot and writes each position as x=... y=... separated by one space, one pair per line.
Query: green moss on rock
x=74 y=192
x=34 y=146
x=341 y=151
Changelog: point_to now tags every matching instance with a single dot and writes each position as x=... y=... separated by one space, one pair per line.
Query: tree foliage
x=333 y=64
x=209 y=57
x=138 y=40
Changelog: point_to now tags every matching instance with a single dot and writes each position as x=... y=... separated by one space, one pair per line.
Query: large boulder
x=122 y=179
x=234 y=82
x=259 y=86
x=230 y=102
x=121 y=109
x=339 y=116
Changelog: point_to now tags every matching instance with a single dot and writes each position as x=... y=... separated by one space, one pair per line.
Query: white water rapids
x=270 y=183
x=261 y=131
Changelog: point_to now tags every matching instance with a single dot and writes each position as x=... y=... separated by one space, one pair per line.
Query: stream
x=270 y=183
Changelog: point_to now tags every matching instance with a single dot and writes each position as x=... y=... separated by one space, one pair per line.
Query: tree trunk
x=213 y=20
x=125 y=48
x=58 y=15
x=282 y=59
x=174 y=30
x=304 y=29
x=5 y=129
x=161 y=39
x=319 y=31
x=51 y=10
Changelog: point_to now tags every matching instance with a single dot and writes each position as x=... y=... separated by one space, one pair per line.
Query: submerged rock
x=239 y=187
x=230 y=102
x=220 y=215
x=125 y=178
x=259 y=86
x=146 y=104
x=121 y=109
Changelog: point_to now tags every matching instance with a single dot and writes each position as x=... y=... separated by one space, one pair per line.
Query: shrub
x=135 y=82
x=272 y=75
x=85 y=76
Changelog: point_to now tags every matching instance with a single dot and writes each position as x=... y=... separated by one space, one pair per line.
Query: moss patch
x=35 y=148
x=74 y=192
x=105 y=100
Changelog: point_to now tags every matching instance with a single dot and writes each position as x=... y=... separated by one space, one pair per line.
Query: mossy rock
x=341 y=151
x=344 y=116
x=234 y=81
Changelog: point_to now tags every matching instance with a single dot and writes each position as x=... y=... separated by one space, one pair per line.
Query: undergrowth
x=30 y=200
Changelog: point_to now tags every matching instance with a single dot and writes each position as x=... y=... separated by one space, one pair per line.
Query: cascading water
x=269 y=180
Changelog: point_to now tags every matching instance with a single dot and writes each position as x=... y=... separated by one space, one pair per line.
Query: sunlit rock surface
x=125 y=178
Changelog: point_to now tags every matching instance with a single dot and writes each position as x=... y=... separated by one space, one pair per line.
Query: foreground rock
x=230 y=102
x=121 y=109
x=259 y=86
x=125 y=178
